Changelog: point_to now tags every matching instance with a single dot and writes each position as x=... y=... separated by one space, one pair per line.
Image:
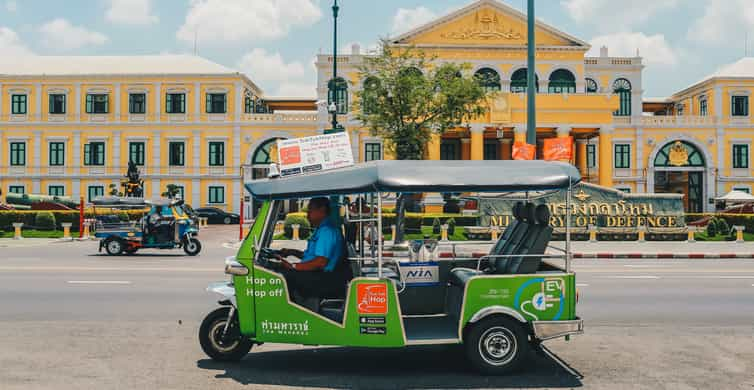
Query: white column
x=238 y=99
x=76 y=189
x=35 y=186
x=720 y=141
x=77 y=105
x=197 y=101
x=38 y=101
x=116 y=151
x=718 y=102
x=156 y=150
x=236 y=199
x=197 y=151
x=640 y=159
x=117 y=102
x=1 y=102
x=196 y=196
x=37 y=159
x=156 y=188
x=157 y=101
x=563 y=131
x=77 y=162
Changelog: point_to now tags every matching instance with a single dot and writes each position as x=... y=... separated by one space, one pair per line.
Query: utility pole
x=531 y=74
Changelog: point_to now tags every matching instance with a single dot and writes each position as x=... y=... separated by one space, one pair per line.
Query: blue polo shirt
x=325 y=242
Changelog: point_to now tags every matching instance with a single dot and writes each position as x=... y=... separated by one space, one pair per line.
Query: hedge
x=304 y=230
x=29 y=217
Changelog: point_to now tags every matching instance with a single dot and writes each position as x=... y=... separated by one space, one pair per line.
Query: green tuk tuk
x=498 y=306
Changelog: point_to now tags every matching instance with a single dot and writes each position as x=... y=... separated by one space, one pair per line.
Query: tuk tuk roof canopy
x=413 y=176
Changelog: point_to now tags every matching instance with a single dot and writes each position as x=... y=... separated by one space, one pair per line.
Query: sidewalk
x=593 y=250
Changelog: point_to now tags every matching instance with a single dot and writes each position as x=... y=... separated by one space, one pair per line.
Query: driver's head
x=318 y=210
x=158 y=209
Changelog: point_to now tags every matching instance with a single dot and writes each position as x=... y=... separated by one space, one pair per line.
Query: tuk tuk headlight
x=233 y=267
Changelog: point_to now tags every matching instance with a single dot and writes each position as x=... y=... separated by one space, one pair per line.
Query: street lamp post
x=531 y=74
x=333 y=107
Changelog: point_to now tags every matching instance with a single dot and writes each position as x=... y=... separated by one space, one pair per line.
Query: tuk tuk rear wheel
x=192 y=246
x=114 y=246
x=231 y=348
x=497 y=345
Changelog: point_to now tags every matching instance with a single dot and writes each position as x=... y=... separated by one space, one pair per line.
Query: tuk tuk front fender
x=225 y=289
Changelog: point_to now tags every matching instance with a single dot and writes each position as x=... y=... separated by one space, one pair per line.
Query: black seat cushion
x=459 y=276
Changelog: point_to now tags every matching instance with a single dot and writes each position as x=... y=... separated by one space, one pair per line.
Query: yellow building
x=621 y=141
x=70 y=125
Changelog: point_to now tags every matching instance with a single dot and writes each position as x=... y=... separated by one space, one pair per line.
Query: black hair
x=320 y=203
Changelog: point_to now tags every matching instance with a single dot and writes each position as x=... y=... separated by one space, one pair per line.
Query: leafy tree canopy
x=407 y=96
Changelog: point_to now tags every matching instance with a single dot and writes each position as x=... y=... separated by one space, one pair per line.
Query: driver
x=316 y=270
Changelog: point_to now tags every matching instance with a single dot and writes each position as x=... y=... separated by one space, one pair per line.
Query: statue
x=134 y=186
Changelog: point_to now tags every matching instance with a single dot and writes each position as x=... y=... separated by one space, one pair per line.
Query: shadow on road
x=137 y=255
x=426 y=367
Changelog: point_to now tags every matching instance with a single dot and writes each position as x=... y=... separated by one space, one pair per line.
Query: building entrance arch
x=258 y=167
x=680 y=166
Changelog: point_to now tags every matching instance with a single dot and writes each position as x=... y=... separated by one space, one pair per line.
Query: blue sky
x=275 y=41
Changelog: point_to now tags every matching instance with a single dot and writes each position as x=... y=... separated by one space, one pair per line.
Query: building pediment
x=486 y=23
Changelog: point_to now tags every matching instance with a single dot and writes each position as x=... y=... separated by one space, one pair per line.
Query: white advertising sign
x=315 y=153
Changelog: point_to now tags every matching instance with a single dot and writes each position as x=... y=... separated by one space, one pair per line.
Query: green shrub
x=123 y=216
x=44 y=220
x=303 y=232
x=722 y=227
x=711 y=228
x=451 y=222
x=436 y=226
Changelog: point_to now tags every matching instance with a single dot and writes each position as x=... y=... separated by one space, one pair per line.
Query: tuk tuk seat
x=532 y=235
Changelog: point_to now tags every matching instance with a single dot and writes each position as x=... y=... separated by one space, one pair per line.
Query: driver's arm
x=316 y=264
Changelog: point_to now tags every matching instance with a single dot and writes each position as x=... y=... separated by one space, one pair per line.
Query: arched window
x=679 y=154
x=369 y=95
x=338 y=93
x=518 y=81
x=591 y=86
x=488 y=79
x=562 y=81
x=622 y=87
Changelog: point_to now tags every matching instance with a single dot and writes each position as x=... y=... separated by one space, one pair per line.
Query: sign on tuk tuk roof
x=412 y=176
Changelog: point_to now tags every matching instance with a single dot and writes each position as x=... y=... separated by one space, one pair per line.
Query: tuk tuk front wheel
x=221 y=344
x=497 y=345
x=114 y=246
x=192 y=246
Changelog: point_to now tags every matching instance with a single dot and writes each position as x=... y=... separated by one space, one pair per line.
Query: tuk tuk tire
x=497 y=345
x=115 y=250
x=192 y=246
x=211 y=330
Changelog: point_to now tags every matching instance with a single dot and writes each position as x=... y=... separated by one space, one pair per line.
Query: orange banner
x=558 y=149
x=523 y=151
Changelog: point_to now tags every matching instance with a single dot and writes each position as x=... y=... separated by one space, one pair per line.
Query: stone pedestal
x=66 y=229
x=17 y=230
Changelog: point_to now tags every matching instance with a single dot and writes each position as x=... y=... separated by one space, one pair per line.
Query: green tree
x=407 y=97
x=171 y=190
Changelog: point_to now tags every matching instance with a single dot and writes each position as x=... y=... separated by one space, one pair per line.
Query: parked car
x=217 y=216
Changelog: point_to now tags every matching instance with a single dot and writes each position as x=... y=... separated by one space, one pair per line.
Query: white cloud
x=239 y=21
x=297 y=89
x=406 y=19
x=60 y=34
x=11 y=6
x=607 y=14
x=723 y=21
x=270 y=70
x=132 y=12
x=11 y=45
x=653 y=48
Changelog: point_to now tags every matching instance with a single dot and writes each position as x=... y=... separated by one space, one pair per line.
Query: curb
x=663 y=255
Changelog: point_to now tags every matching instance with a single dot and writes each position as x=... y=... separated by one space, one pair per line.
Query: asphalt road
x=70 y=318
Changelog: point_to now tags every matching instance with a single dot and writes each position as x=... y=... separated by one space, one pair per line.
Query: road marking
x=99 y=282
x=582 y=284
x=644 y=265
x=633 y=277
